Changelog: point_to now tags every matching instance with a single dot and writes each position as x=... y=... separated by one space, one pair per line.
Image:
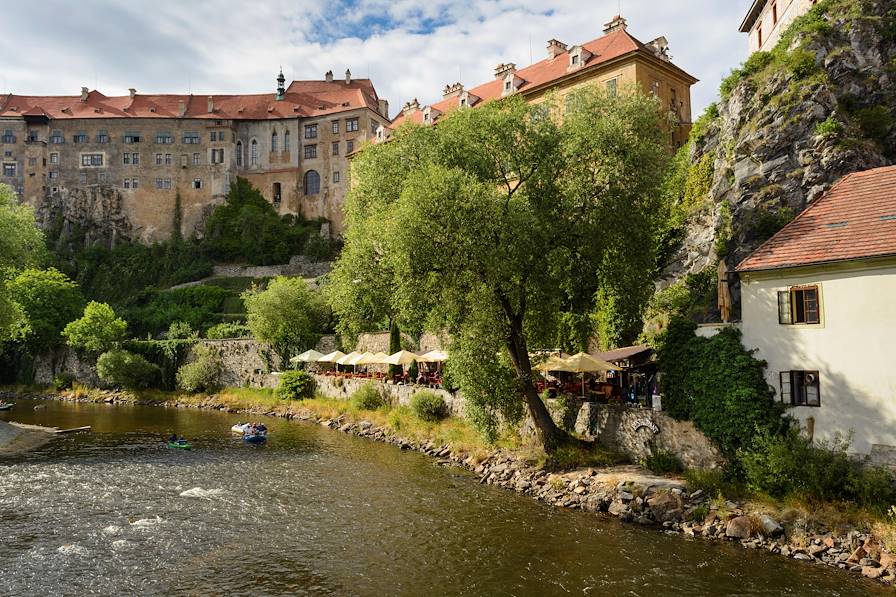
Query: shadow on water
x=316 y=512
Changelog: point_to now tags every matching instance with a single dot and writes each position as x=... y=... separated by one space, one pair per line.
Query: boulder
x=665 y=507
x=617 y=507
x=770 y=526
x=739 y=528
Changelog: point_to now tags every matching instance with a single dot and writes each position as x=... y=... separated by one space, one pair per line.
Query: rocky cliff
x=790 y=123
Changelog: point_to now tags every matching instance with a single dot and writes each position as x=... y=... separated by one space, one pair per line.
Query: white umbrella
x=309 y=356
x=345 y=360
x=373 y=359
x=433 y=356
x=583 y=363
x=357 y=359
x=332 y=357
x=402 y=357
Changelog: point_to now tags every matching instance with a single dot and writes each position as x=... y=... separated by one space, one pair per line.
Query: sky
x=409 y=48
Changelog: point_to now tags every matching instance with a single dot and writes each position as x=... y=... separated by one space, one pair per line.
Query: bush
x=98 y=330
x=180 y=330
x=368 y=397
x=153 y=311
x=792 y=466
x=296 y=385
x=413 y=371
x=226 y=330
x=663 y=462
x=429 y=406
x=203 y=373
x=830 y=127
x=63 y=381
x=126 y=369
x=712 y=482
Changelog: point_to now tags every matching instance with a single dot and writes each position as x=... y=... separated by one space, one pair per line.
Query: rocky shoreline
x=626 y=493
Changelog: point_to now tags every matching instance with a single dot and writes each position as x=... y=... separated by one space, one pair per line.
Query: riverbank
x=625 y=492
x=18 y=439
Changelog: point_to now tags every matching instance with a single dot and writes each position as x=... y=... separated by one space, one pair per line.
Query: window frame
x=352 y=125
x=795 y=391
x=309 y=151
x=794 y=305
x=311 y=131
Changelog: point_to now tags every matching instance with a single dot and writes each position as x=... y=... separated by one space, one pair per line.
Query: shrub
x=711 y=482
x=296 y=385
x=799 y=62
x=830 y=127
x=368 y=397
x=226 y=330
x=875 y=121
x=663 y=462
x=413 y=371
x=126 y=369
x=98 y=330
x=180 y=330
x=790 y=465
x=63 y=381
x=429 y=406
x=153 y=311
x=203 y=373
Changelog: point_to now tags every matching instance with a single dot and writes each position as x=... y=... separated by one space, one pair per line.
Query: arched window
x=312 y=183
x=274 y=142
x=253 y=153
x=286 y=141
x=239 y=154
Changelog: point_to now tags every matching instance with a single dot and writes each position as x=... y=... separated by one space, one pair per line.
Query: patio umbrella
x=584 y=363
x=332 y=357
x=346 y=359
x=402 y=357
x=309 y=356
x=433 y=356
x=361 y=357
x=554 y=363
x=378 y=358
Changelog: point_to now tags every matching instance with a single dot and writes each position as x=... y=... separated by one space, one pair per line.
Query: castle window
x=80 y=138
x=167 y=159
x=158 y=159
x=54 y=158
x=53 y=174
x=131 y=138
x=335 y=147
x=214 y=136
x=310 y=152
x=135 y=158
x=164 y=138
x=92 y=160
x=274 y=142
x=102 y=137
x=239 y=154
x=135 y=182
x=191 y=138
x=336 y=176
x=286 y=141
x=195 y=159
x=8 y=137
x=349 y=146
x=197 y=183
x=253 y=153
x=800 y=388
x=799 y=305
x=126 y=159
x=613 y=87
x=9 y=169
x=335 y=127
x=312 y=183
x=56 y=138
x=351 y=125
x=127 y=183
x=311 y=131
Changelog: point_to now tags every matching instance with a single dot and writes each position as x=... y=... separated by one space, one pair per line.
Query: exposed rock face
x=771 y=158
x=97 y=212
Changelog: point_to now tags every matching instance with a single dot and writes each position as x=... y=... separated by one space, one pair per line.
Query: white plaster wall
x=853 y=349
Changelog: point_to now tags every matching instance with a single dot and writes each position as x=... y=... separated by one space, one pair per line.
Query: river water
x=317 y=512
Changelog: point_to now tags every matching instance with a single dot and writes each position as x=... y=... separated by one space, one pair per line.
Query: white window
x=158 y=159
x=126 y=159
x=9 y=169
x=191 y=138
x=167 y=159
x=57 y=138
x=286 y=141
x=131 y=138
x=164 y=138
x=613 y=87
x=349 y=146
x=310 y=152
x=197 y=183
x=80 y=138
x=127 y=183
x=195 y=159
x=351 y=125
x=135 y=158
x=335 y=127
x=53 y=174
x=800 y=388
x=54 y=158
x=311 y=131
x=92 y=160
x=135 y=183
x=335 y=147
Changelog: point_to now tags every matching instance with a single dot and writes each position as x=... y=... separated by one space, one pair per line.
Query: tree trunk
x=550 y=434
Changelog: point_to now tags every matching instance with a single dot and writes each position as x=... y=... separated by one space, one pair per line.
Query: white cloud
x=408 y=47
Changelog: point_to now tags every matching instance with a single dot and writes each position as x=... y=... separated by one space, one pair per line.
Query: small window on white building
x=799 y=305
x=800 y=388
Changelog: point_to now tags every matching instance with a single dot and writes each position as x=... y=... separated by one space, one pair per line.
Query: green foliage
x=663 y=462
x=703 y=124
x=575 y=455
x=875 y=121
x=830 y=127
x=180 y=330
x=321 y=248
x=126 y=369
x=724 y=229
x=227 y=330
x=287 y=315
x=296 y=385
x=429 y=406
x=153 y=311
x=801 y=63
x=713 y=483
x=202 y=373
x=247 y=228
x=757 y=62
x=765 y=223
x=168 y=355
x=368 y=397
x=413 y=370
x=98 y=330
x=21 y=246
x=63 y=381
x=697 y=184
x=49 y=301
x=718 y=385
x=792 y=466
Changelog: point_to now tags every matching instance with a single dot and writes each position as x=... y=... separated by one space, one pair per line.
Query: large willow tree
x=498 y=223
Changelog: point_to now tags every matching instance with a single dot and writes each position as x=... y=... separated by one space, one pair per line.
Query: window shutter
x=786 y=394
x=813 y=393
x=784 y=315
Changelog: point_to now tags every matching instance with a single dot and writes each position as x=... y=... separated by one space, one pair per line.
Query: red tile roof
x=856 y=219
x=604 y=49
x=302 y=98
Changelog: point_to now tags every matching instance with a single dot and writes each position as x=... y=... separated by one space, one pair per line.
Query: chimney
x=503 y=69
x=348 y=76
x=84 y=92
x=384 y=108
x=555 y=48
x=411 y=106
x=660 y=47
x=329 y=76
x=133 y=92
x=211 y=104
x=181 y=108
x=452 y=90
x=615 y=25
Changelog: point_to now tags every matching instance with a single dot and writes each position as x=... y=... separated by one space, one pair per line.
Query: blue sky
x=410 y=48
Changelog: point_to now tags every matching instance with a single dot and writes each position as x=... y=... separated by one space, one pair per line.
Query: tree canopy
x=287 y=315
x=97 y=331
x=500 y=220
x=21 y=245
x=49 y=301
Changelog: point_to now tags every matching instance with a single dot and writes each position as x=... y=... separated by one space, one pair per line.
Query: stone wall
x=65 y=360
x=341 y=388
x=298 y=266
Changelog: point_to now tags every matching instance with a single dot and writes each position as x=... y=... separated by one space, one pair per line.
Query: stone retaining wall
x=298 y=266
x=65 y=360
x=342 y=388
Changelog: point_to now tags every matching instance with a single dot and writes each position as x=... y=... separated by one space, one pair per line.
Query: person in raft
x=173 y=438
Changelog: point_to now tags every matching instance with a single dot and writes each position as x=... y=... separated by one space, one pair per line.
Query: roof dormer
x=467 y=99
x=430 y=114
x=578 y=57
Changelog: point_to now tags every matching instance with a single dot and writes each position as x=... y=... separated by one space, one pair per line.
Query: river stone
x=872 y=572
x=739 y=528
x=770 y=526
x=617 y=508
x=666 y=507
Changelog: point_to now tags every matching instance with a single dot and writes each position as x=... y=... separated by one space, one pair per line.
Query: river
x=317 y=512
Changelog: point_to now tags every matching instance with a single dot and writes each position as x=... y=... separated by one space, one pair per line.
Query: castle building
x=614 y=61
x=128 y=156
x=767 y=20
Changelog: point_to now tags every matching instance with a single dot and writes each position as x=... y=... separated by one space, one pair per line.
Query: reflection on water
x=317 y=513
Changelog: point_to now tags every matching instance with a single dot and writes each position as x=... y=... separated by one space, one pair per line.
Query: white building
x=767 y=19
x=819 y=304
